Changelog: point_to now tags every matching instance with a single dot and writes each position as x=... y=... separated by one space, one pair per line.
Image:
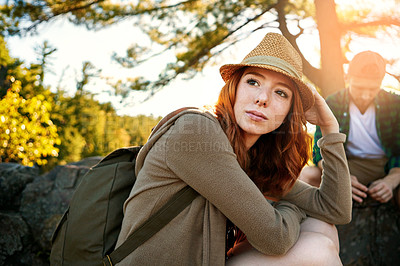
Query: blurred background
x=81 y=78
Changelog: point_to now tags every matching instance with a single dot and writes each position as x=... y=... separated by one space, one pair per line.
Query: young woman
x=250 y=147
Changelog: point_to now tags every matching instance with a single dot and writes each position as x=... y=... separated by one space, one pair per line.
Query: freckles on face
x=263 y=100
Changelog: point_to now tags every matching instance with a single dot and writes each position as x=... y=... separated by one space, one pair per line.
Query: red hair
x=288 y=147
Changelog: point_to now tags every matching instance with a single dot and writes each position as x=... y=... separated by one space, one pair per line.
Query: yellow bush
x=27 y=134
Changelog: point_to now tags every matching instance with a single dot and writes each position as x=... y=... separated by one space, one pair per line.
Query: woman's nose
x=262 y=99
x=261 y=103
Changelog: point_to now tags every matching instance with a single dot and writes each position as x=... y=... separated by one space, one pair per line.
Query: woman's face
x=263 y=100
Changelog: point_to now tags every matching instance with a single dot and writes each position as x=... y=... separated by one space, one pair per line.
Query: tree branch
x=150 y=10
x=162 y=82
x=397 y=77
x=385 y=21
x=312 y=73
x=61 y=12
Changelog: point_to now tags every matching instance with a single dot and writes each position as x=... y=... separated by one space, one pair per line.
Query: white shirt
x=363 y=140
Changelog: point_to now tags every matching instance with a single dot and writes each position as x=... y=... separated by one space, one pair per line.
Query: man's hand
x=381 y=190
x=358 y=190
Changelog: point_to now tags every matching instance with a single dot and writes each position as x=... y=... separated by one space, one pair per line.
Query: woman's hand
x=320 y=114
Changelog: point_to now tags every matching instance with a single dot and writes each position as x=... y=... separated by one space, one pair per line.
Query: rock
x=47 y=197
x=13 y=230
x=13 y=180
x=31 y=206
x=17 y=246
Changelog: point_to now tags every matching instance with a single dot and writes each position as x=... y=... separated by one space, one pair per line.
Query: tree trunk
x=331 y=54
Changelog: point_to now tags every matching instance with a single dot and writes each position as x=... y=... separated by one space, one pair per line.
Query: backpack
x=88 y=231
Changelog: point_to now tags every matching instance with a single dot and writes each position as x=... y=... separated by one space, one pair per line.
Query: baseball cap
x=367 y=65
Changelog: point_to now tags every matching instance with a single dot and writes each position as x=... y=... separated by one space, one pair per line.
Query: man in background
x=370 y=117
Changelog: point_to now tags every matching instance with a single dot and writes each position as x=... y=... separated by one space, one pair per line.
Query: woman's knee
x=318 y=249
x=318 y=244
x=311 y=249
x=311 y=175
x=318 y=226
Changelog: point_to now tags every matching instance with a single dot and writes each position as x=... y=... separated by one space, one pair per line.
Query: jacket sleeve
x=331 y=202
x=200 y=154
x=393 y=162
x=335 y=103
x=316 y=153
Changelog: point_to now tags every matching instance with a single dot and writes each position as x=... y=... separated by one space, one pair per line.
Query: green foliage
x=40 y=127
x=303 y=9
x=7 y=66
x=82 y=128
x=194 y=31
x=139 y=127
x=17 y=13
x=89 y=128
x=27 y=133
x=30 y=77
x=44 y=51
x=198 y=31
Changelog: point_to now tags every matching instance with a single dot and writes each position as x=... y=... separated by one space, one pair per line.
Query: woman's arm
x=199 y=153
x=332 y=201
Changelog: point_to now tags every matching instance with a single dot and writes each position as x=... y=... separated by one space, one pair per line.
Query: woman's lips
x=256 y=116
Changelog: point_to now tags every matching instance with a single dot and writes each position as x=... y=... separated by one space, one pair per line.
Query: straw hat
x=277 y=54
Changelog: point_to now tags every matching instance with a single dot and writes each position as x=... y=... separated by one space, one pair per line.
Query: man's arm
x=316 y=156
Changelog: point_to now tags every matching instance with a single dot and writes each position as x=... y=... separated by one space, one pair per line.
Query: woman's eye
x=252 y=82
x=282 y=93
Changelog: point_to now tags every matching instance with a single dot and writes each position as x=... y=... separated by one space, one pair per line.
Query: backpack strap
x=169 y=116
x=154 y=224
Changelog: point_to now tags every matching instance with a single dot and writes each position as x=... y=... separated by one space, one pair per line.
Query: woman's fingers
x=320 y=114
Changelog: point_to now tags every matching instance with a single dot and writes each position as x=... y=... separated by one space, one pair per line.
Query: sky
x=76 y=44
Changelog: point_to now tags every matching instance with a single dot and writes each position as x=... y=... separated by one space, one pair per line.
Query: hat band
x=272 y=61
